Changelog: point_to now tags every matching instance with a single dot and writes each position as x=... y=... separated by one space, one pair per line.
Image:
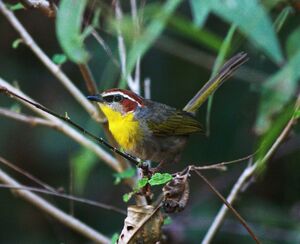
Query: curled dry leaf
x=176 y=192
x=141 y=225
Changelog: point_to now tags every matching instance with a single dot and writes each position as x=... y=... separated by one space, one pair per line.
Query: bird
x=154 y=131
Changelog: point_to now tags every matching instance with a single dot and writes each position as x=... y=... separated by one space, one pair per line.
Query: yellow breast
x=124 y=128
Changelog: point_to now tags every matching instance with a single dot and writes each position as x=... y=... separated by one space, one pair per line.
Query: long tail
x=213 y=84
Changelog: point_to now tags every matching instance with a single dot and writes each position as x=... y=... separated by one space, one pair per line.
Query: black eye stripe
x=113 y=98
x=108 y=99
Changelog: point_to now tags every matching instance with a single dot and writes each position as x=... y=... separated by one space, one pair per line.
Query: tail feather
x=214 y=83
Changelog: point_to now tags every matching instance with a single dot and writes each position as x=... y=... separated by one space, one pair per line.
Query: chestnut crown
x=120 y=100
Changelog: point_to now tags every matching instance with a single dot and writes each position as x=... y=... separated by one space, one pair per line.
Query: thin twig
x=53 y=211
x=26 y=174
x=229 y=206
x=135 y=20
x=89 y=79
x=147 y=88
x=33 y=121
x=247 y=174
x=70 y=122
x=66 y=196
x=68 y=130
x=53 y=68
x=106 y=48
x=222 y=165
x=122 y=51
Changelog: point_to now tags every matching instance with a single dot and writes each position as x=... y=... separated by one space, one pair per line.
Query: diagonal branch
x=53 y=68
x=33 y=121
x=68 y=130
x=246 y=175
x=53 y=211
x=133 y=84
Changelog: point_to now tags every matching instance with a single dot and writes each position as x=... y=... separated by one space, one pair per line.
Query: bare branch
x=68 y=130
x=56 y=213
x=53 y=68
x=147 y=88
x=89 y=79
x=228 y=206
x=137 y=78
x=33 y=121
x=245 y=176
x=106 y=48
x=26 y=174
x=122 y=52
x=66 y=196
x=222 y=165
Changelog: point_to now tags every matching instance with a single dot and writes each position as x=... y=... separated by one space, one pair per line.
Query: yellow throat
x=124 y=128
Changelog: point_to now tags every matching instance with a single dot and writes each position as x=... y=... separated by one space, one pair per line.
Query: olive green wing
x=175 y=123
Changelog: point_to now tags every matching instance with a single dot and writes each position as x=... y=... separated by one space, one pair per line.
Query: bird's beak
x=96 y=98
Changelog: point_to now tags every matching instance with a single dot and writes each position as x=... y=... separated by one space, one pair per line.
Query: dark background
x=271 y=205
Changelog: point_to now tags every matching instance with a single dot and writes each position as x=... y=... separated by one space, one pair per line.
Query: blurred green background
x=178 y=64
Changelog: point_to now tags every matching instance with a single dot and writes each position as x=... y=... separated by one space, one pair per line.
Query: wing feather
x=175 y=122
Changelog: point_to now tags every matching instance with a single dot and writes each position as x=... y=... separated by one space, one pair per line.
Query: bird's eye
x=118 y=98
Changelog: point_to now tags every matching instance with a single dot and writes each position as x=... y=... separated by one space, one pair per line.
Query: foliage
x=68 y=29
x=267 y=30
x=251 y=18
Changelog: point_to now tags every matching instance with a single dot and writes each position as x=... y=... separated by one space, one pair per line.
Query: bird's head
x=118 y=100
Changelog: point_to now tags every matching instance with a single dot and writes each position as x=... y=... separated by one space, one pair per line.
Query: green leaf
x=68 y=29
x=96 y=18
x=114 y=238
x=282 y=17
x=200 y=12
x=142 y=182
x=127 y=196
x=251 y=18
x=151 y=32
x=16 y=43
x=276 y=93
x=188 y=30
x=160 y=179
x=16 y=6
x=59 y=58
x=16 y=107
x=167 y=221
x=126 y=174
x=297 y=114
x=83 y=162
x=292 y=44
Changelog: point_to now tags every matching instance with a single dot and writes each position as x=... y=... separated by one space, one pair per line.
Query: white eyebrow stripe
x=123 y=95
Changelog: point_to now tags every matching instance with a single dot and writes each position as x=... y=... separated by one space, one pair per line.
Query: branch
x=247 y=174
x=33 y=121
x=229 y=207
x=147 y=88
x=68 y=130
x=53 y=68
x=134 y=86
x=27 y=174
x=136 y=23
x=56 y=213
x=88 y=78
